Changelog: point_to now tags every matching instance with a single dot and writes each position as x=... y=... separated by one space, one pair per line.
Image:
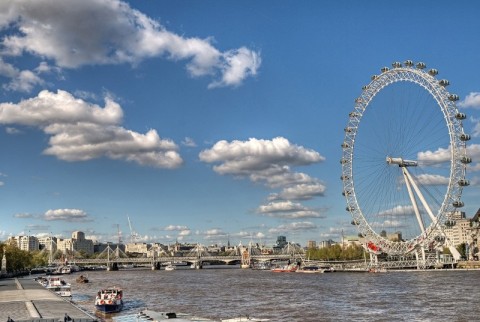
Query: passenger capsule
x=345 y=145
x=343 y=161
x=440 y=239
x=465 y=137
x=408 y=63
x=453 y=97
x=374 y=77
x=463 y=182
x=353 y=114
x=460 y=116
x=348 y=130
x=364 y=87
x=444 y=82
x=350 y=208
x=466 y=160
x=354 y=222
x=396 y=64
x=385 y=69
x=344 y=177
x=433 y=72
x=458 y=204
x=421 y=65
x=358 y=100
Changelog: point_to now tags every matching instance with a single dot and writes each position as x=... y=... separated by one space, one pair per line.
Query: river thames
x=225 y=293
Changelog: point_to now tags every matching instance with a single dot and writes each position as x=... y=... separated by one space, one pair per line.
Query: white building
x=27 y=243
x=458 y=233
x=76 y=243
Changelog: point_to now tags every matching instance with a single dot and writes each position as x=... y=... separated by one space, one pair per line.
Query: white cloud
x=288 y=210
x=441 y=155
x=175 y=228
x=398 y=211
x=12 y=131
x=189 y=142
x=432 y=180
x=23 y=215
x=20 y=80
x=82 y=131
x=472 y=100
x=300 y=192
x=94 y=32
x=295 y=226
x=70 y=215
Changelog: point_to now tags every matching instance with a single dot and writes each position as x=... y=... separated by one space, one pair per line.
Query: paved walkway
x=25 y=299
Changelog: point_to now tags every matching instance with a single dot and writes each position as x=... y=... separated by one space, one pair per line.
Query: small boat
x=290 y=268
x=170 y=267
x=82 y=279
x=58 y=286
x=109 y=300
x=310 y=269
x=377 y=270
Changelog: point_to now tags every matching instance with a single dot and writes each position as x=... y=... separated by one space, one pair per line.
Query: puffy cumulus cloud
x=294 y=226
x=441 y=155
x=93 y=32
x=388 y=224
x=81 y=131
x=398 y=211
x=254 y=155
x=175 y=228
x=268 y=162
x=288 y=210
x=300 y=192
x=20 y=80
x=214 y=234
x=472 y=100
x=432 y=180
x=70 y=215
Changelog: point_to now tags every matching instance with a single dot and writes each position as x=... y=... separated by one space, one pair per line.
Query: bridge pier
x=155 y=266
x=112 y=266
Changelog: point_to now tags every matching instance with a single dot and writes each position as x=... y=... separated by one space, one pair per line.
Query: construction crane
x=133 y=234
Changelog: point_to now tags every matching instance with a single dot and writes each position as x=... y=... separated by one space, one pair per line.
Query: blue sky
x=204 y=121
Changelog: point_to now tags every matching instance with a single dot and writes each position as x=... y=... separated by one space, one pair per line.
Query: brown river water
x=226 y=293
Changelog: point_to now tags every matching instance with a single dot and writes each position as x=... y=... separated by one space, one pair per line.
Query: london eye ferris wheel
x=404 y=159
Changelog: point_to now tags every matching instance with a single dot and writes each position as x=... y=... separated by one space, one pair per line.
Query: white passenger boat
x=58 y=286
x=109 y=300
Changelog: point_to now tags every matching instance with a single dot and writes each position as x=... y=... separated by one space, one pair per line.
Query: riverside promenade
x=23 y=299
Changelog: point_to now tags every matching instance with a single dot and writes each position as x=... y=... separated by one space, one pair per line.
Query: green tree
x=17 y=259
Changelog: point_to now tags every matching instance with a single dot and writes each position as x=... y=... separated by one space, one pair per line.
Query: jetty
x=23 y=299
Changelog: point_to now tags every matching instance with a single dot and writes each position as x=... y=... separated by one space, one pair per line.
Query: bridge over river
x=197 y=261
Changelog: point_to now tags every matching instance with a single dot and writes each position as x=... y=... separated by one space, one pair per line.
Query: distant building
x=76 y=243
x=311 y=244
x=48 y=243
x=27 y=243
x=281 y=243
x=326 y=243
x=458 y=233
x=136 y=248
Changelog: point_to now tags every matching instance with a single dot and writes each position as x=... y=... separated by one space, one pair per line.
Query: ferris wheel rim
x=446 y=102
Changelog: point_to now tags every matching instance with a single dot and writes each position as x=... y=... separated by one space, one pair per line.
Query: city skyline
x=204 y=121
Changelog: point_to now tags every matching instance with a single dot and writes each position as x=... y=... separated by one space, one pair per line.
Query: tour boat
x=170 y=267
x=109 y=300
x=58 y=286
x=310 y=269
x=290 y=268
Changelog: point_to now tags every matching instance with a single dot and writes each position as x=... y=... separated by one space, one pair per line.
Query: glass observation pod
x=440 y=238
x=348 y=129
x=353 y=114
x=364 y=87
x=466 y=160
x=343 y=178
x=354 y=222
x=358 y=100
x=464 y=137
x=396 y=64
x=460 y=116
x=433 y=72
x=343 y=161
x=453 y=97
x=346 y=193
x=463 y=182
x=458 y=204
x=374 y=77
x=450 y=223
x=345 y=145
x=421 y=65
x=408 y=63
x=444 y=82
x=385 y=69
x=350 y=208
